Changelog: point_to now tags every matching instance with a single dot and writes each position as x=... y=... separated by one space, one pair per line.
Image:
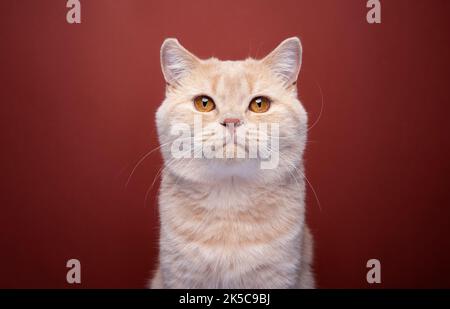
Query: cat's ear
x=285 y=60
x=176 y=61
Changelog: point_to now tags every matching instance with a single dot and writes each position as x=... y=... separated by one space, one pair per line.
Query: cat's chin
x=220 y=170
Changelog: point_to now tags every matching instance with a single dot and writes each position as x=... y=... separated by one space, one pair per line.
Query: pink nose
x=235 y=121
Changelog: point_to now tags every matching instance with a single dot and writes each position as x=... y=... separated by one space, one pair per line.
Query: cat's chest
x=226 y=220
x=226 y=231
x=229 y=214
x=223 y=253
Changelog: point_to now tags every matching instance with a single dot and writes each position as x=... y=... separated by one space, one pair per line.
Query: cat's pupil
x=205 y=102
x=259 y=102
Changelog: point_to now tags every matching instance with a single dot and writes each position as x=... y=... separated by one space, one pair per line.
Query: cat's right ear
x=176 y=61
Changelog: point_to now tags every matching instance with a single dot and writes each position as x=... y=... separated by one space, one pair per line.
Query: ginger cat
x=229 y=222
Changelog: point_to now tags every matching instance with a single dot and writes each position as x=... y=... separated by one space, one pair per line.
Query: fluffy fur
x=227 y=223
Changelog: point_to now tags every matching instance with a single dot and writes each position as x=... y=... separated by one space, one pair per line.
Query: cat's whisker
x=312 y=189
x=158 y=174
x=260 y=133
x=170 y=163
x=282 y=136
x=194 y=139
x=142 y=160
x=321 y=108
x=200 y=149
x=307 y=180
x=296 y=169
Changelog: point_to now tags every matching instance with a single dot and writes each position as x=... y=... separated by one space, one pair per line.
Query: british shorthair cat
x=228 y=221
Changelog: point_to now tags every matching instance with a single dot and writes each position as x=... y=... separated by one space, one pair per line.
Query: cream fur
x=227 y=223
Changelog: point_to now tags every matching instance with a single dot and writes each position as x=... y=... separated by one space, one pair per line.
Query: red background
x=77 y=112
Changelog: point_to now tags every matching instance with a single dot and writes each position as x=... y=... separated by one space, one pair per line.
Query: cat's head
x=244 y=105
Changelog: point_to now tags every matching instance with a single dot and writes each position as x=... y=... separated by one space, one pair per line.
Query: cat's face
x=237 y=105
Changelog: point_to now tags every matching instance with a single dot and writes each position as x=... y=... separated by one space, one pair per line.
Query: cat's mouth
x=233 y=146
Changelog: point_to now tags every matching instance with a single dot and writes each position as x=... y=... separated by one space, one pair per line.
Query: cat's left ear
x=285 y=60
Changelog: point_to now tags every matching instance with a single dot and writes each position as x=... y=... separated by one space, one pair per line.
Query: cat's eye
x=204 y=104
x=259 y=105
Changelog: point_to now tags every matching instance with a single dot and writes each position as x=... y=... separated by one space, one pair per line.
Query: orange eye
x=259 y=105
x=204 y=104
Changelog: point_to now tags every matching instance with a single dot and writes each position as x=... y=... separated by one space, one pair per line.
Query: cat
x=227 y=222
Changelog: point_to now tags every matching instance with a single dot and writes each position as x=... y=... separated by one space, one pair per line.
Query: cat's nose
x=231 y=121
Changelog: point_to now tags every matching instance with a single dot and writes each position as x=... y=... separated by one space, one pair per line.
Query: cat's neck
x=231 y=195
x=232 y=182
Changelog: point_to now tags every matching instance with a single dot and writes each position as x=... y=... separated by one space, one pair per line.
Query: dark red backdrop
x=77 y=112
